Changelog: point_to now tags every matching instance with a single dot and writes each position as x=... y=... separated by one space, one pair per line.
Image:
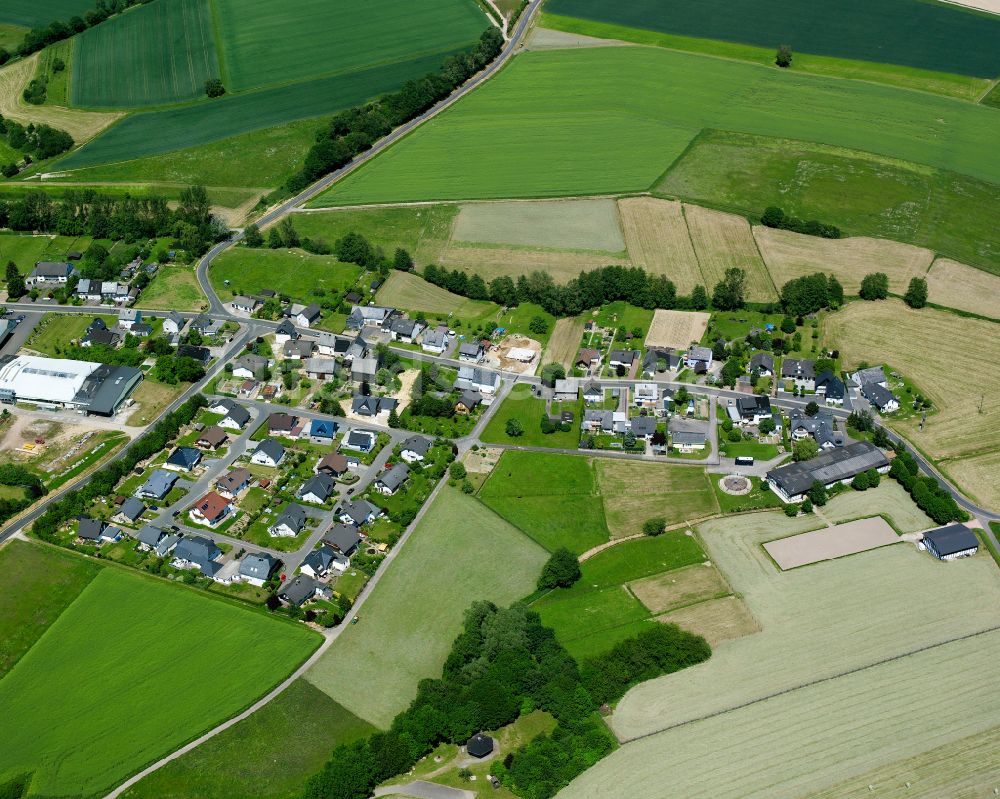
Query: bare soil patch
x=565 y=342
x=831 y=542
x=677 y=329
x=482 y=460
x=679 y=587
x=657 y=239
x=959 y=286
x=499 y=357
x=722 y=241
x=718 y=620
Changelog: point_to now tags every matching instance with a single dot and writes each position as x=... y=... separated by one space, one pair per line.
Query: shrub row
x=776 y=217
x=927 y=493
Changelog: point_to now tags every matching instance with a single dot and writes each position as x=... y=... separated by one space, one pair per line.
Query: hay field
x=831 y=542
x=889 y=499
x=718 y=620
x=636 y=491
x=692 y=584
x=816 y=622
x=590 y=224
x=677 y=329
x=922 y=345
x=413 y=293
x=491 y=262
x=959 y=286
x=658 y=240
x=565 y=341
x=725 y=240
x=789 y=255
x=978 y=476
x=790 y=745
x=81 y=125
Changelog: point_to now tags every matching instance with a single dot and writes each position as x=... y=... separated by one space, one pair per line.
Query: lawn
x=26 y=251
x=294 y=273
x=152 y=399
x=271 y=753
x=604 y=138
x=760 y=496
x=155 y=54
x=742 y=449
x=183 y=643
x=40 y=583
x=460 y=552
x=521 y=404
x=57 y=330
x=39 y=13
x=411 y=292
x=175 y=288
x=620 y=314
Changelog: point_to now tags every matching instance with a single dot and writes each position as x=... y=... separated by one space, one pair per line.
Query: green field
x=155 y=54
x=265 y=45
x=634 y=111
x=929 y=36
x=26 y=251
x=150 y=658
x=39 y=584
x=175 y=288
x=57 y=330
x=39 y=13
x=460 y=552
x=552 y=498
x=270 y=754
x=866 y=195
x=411 y=292
x=522 y=405
x=293 y=272
x=11 y=36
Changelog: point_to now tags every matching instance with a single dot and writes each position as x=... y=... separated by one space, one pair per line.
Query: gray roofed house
x=173 y=323
x=470 y=352
x=358 y=348
x=375 y=315
x=660 y=356
x=183 y=459
x=236 y=418
x=50 y=272
x=698 y=355
x=166 y=545
x=285 y=331
x=244 y=304
x=391 y=481
x=592 y=392
x=623 y=358
x=371 y=405
x=468 y=401
x=762 y=363
x=198 y=551
x=405 y=330
x=297 y=349
x=840 y=465
x=415 y=448
x=364 y=368
x=951 y=542
x=309 y=315
x=317 y=489
x=320 y=562
x=91 y=529
x=130 y=511
x=281 y=423
x=157 y=485
x=249 y=366
x=142 y=330
x=643 y=426
x=751 y=409
x=821 y=427
x=434 y=340
x=202 y=323
x=149 y=536
x=360 y=440
x=321 y=368
x=801 y=371
x=872 y=374
x=299 y=590
x=232 y=483
x=598 y=421
x=358 y=512
x=330 y=344
x=880 y=397
x=268 y=453
x=100 y=337
x=343 y=537
x=687 y=435
x=290 y=522
x=257 y=568
x=475 y=379
x=831 y=387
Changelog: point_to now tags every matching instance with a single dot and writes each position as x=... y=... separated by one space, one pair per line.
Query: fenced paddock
x=831 y=542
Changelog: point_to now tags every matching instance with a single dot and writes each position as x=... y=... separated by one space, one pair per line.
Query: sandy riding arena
x=831 y=542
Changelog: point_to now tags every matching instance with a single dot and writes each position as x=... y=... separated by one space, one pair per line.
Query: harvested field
x=406 y=290
x=565 y=342
x=677 y=329
x=789 y=255
x=722 y=241
x=809 y=616
x=888 y=499
x=81 y=125
x=686 y=586
x=920 y=345
x=978 y=477
x=676 y=493
x=959 y=286
x=550 y=224
x=491 y=262
x=831 y=542
x=658 y=239
x=718 y=620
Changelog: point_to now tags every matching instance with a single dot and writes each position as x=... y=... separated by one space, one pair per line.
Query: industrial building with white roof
x=92 y=388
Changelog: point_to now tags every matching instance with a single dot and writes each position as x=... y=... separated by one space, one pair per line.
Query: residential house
x=801 y=372
x=250 y=367
x=699 y=357
x=475 y=379
x=344 y=538
x=841 y=465
x=149 y=537
x=321 y=368
x=302 y=589
x=643 y=427
x=645 y=395
x=201 y=354
x=290 y=523
x=415 y=449
x=606 y=422
x=322 y=431
x=100 y=336
x=405 y=330
x=566 y=390
x=321 y=562
x=317 y=489
x=233 y=483
x=330 y=345
x=392 y=479
x=371 y=405
x=471 y=352
x=203 y=324
x=157 y=485
x=659 y=360
x=297 y=350
x=236 y=417
x=96 y=531
x=88 y=290
x=257 y=568
x=467 y=402
x=883 y=400
x=593 y=393
x=333 y=464
x=363 y=369
x=130 y=512
x=210 y=510
x=129 y=317
x=434 y=341
x=951 y=542
x=821 y=427
x=749 y=410
x=166 y=545
x=283 y=424
x=369 y=316
x=197 y=552
x=359 y=512
x=831 y=387
x=183 y=459
x=49 y=272
x=761 y=364
x=173 y=324
x=359 y=441
x=268 y=453
x=872 y=374
x=211 y=438
x=244 y=304
x=358 y=348
x=142 y=330
x=285 y=332
x=623 y=359
x=588 y=358
x=687 y=436
x=308 y=316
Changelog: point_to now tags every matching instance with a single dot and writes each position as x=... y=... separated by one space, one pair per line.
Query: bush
x=874 y=286
x=916 y=293
x=791 y=510
x=783 y=58
x=654 y=526
x=457 y=470
x=561 y=570
x=514 y=428
x=734 y=435
x=214 y=87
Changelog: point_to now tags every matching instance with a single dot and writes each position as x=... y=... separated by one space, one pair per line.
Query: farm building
x=952 y=542
x=91 y=388
x=839 y=465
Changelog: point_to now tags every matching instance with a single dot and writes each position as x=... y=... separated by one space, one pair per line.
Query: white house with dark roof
x=434 y=340
x=257 y=568
x=883 y=400
x=49 y=272
x=415 y=449
x=290 y=523
x=471 y=352
x=475 y=379
x=268 y=453
x=392 y=479
x=699 y=356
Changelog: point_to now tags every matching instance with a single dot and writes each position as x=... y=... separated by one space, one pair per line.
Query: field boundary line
x=811 y=683
x=989 y=89
x=687 y=227
x=213 y=10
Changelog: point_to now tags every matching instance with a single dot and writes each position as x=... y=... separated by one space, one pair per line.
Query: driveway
x=424 y=790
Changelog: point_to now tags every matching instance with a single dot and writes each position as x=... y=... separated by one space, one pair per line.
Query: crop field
x=39 y=13
x=552 y=498
x=789 y=255
x=603 y=138
x=722 y=241
x=807 y=614
x=977 y=475
x=959 y=286
x=152 y=634
x=40 y=583
x=919 y=344
x=658 y=240
x=262 y=45
x=271 y=753
x=791 y=745
x=923 y=36
x=490 y=262
x=718 y=620
x=636 y=491
x=863 y=193
x=293 y=272
x=155 y=54
x=565 y=342
x=413 y=293
x=414 y=614
x=676 y=329
x=550 y=224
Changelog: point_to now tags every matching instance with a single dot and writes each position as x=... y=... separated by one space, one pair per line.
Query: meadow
x=604 y=138
x=156 y=640
x=175 y=288
x=522 y=405
x=38 y=13
x=270 y=753
x=460 y=552
x=155 y=54
x=294 y=273
x=552 y=224
x=412 y=293
x=921 y=35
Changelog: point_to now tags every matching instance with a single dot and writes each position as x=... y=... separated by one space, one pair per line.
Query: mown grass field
x=522 y=405
x=38 y=13
x=41 y=583
x=155 y=54
x=153 y=658
x=956 y=285
x=175 y=288
x=658 y=240
x=559 y=224
x=271 y=753
x=295 y=273
x=460 y=552
x=723 y=241
x=636 y=110
x=924 y=35
x=411 y=292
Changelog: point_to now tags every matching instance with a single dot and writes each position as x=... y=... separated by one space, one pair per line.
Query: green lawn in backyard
x=175 y=288
x=271 y=753
x=292 y=272
x=552 y=498
x=864 y=194
x=743 y=449
x=760 y=496
x=460 y=552
x=39 y=13
x=151 y=634
x=26 y=251
x=636 y=110
x=621 y=314
x=522 y=405
x=57 y=330
x=39 y=582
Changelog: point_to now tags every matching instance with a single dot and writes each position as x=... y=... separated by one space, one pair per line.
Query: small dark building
x=479 y=745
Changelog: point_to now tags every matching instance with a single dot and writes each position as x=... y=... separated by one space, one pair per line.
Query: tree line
x=927 y=493
x=356 y=129
x=775 y=217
